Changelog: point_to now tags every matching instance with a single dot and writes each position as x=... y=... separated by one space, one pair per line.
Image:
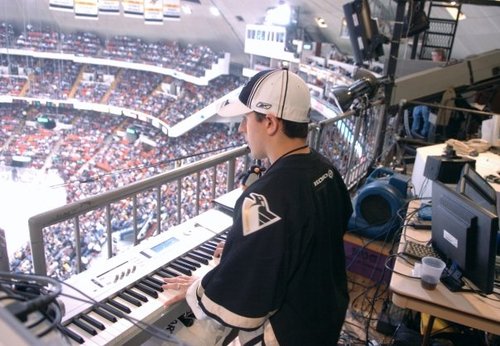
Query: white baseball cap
x=278 y=91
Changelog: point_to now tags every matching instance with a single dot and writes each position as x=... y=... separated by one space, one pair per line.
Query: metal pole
x=467 y=110
x=391 y=69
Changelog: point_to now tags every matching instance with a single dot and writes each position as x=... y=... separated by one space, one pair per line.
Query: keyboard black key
x=152 y=285
x=190 y=262
x=180 y=269
x=164 y=274
x=71 y=334
x=220 y=238
x=149 y=291
x=155 y=280
x=84 y=326
x=201 y=254
x=103 y=313
x=206 y=251
x=212 y=243
x=130 y=299
x=137 y=295
x=170 y=272
x=184 y=265
x=93 y=322
x=112 y=310
x=198 y=258
x=119 y=306
x=210 y=246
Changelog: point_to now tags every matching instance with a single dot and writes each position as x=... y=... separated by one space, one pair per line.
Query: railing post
x=179 y=199
x=214 y=181
x=357 y=127
x=134 y=218
x=37 y=248
x=78 y=245
x=158 y=209
x=109 y=230
x=197 y=207
x=231 y=169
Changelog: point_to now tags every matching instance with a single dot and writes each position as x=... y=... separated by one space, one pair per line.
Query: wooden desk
x=468 y=309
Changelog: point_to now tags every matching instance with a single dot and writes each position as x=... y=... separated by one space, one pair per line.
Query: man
x=420 y=114
x=438 y=54
x=281 y=279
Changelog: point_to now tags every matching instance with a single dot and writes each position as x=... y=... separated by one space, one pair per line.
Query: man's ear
x=272 y=124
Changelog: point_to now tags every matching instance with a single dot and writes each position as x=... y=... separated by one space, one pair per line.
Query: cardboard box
x=367 y=257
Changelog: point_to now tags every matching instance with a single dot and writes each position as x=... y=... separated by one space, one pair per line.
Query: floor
x=367 y=300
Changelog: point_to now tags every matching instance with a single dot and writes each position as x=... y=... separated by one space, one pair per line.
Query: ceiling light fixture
x=214 y=11
x=454 y=11
x=279 y=15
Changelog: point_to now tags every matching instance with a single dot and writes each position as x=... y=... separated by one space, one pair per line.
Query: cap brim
x=233 y=108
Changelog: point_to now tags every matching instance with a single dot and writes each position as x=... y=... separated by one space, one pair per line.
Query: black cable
x=37 y=322
x=21 y=309
x=369 y=318
x=378 y=284
x=399 y=273
x=31 y=296
x=55 y=320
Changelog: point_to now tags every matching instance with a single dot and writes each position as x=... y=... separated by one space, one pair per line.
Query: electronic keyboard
x=130 y=284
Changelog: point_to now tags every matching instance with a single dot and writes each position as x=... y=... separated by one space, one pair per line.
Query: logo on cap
x=263 y=105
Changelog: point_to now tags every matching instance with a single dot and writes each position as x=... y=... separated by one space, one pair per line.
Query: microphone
x=253 y=173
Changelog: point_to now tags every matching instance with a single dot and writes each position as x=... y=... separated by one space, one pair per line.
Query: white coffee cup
x=430 y=272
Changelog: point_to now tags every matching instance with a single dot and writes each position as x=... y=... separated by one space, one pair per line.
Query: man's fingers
x=176 y=298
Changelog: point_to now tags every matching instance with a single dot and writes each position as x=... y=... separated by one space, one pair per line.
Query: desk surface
x=470 y=309
x=486 y=163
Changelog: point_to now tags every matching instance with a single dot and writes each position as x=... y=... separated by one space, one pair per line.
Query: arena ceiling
x=479 y=32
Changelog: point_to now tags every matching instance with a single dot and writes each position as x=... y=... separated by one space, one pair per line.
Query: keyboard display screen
x=163 y=245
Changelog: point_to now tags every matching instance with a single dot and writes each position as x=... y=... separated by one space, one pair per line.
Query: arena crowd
x=88 y=149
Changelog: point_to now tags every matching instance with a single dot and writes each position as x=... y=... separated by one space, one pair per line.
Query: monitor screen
x=465 y=233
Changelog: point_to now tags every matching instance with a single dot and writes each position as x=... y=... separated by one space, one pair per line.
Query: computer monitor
x=475 y=187
x=465 y=233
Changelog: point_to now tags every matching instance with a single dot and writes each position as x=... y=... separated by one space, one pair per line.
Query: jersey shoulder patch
x=256 y=214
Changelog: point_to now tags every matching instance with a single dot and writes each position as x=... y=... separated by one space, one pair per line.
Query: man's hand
x=219 y=249
x=178 y=286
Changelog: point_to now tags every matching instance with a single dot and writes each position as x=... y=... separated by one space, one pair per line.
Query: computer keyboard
x=419 y=251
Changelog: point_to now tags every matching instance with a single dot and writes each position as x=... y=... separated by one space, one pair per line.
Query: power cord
x=30 y=293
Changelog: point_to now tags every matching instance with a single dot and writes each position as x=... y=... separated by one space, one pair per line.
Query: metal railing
x=65 y=240
x=350 y=140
